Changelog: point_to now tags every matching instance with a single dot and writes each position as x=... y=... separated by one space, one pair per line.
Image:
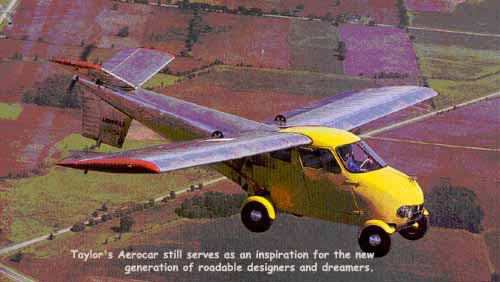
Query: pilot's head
x=345 y=151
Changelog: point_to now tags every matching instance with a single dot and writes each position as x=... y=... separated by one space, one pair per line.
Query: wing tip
x=112 y=165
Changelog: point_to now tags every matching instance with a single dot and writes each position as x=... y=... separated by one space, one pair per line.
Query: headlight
x=405 y=211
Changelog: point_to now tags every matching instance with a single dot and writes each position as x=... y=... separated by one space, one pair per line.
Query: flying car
x=304 y=162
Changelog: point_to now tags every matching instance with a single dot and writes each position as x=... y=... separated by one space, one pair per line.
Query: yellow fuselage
x=351 y=198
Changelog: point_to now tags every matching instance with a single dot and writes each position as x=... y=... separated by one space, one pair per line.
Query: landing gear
x=374 y=239
x=255 y=217
x=415 y=233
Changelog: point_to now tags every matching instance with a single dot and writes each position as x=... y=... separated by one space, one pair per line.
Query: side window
x=319 y=158
x=282 y=155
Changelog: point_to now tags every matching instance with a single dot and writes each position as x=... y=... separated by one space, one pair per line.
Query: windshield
x=359 y=157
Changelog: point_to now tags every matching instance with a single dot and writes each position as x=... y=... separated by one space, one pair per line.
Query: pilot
x=348 y=157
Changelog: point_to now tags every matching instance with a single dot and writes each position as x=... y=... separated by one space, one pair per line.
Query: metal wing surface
x=169 y=157
x=352 y=109
x=136 y=66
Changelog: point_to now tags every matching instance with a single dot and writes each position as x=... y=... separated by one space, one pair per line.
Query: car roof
x=325 y=136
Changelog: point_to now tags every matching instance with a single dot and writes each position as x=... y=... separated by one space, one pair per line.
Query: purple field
x=372 y=50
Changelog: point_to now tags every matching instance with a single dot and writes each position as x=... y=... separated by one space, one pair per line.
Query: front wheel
x=412 y=233
x=374 y=239
x=255 y=217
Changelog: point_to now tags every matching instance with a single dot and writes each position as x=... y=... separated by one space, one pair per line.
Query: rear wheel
x=412 y=233
x=255 y=217
x=374 y=239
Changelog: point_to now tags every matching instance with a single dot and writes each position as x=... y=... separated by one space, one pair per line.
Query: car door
x=331 y=197
x=280 y=172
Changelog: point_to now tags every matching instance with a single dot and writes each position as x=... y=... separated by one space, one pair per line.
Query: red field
x=237 y=103
x=27 y=140
x=245 y=39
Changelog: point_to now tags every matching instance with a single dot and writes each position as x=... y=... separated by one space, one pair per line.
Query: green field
x=492 y=239
x=456 y=63
x=456 y=92
x=10 y=111
x=459 y=74
x=160 y=80
x=299 y=82
x=37 y=205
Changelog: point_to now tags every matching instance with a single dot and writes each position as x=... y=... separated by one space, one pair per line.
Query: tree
x=50 y=93
x=17 y=257
x=126 y=223
x=327 y=17
x=123 y=32
x=454 y=207
x=86 y=52
x=78 y=227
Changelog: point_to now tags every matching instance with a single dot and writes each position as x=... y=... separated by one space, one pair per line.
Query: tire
x=412 y=233
x=374 y=239
x=255 y=217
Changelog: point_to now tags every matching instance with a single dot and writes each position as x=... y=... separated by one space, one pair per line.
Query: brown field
x=313 y=46
x=382 y=11
x=455 y=39
x=232 y=90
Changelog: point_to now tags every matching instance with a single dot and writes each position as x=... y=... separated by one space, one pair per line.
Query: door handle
x=351 y=183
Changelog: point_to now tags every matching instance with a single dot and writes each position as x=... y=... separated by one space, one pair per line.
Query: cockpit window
x=319 y=158
x=359 y=157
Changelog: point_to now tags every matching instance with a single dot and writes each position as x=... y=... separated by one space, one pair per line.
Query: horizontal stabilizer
x=136 y=66
x=169 y=157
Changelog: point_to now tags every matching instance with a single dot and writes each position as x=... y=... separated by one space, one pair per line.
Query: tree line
x=211 y=205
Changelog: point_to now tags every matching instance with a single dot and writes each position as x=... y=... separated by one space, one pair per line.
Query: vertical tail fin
x=102 y=122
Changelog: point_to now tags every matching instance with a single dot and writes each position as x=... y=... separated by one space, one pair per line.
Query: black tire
x=255 y=217
x=412 y=233
x=381 y=248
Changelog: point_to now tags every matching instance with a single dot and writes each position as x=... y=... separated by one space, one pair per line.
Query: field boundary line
x=14 y=275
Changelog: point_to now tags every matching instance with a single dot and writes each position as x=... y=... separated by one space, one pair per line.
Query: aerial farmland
x=255 y=59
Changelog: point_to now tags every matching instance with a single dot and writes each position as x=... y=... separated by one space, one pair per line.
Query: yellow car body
x=369 y=198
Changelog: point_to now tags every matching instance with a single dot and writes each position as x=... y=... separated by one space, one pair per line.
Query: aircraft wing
x=169 y=157
x=352 y=109
x=135 y=66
